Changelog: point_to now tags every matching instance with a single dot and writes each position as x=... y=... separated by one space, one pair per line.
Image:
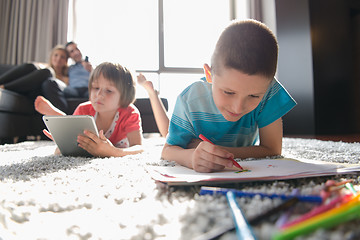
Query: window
x=167 y=40
x=117 y=31
x=189 y=30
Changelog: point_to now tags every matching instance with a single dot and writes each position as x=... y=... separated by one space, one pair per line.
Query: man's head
x=248 y=46
x=73 y=51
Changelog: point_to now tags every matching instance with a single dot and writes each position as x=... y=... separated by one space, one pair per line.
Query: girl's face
x=236 y=94
x=58 y=58
x=104 y=96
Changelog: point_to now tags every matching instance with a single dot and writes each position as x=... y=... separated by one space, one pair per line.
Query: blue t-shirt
x=195 y=113
x=78 y=76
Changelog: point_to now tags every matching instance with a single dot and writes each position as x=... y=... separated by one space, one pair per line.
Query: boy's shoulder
x=196 y=90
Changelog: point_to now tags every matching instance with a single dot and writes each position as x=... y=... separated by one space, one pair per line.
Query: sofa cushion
x=15 y=103
x=147 y=116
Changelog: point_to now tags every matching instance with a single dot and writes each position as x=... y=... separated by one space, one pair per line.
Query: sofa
x=19 y=120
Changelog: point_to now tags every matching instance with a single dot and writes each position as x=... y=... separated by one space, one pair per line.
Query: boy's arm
x=206 y=157
x=270 y=143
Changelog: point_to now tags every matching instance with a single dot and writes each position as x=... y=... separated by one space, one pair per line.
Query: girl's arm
x=134 y=138
x=270 y=143
x=102 y=147
x=161 y=118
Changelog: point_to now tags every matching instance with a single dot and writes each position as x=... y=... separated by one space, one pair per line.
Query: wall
x=335 y=44
x=319 y=63
x=295 y=69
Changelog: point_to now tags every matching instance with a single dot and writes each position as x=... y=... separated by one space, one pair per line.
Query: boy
x=243 y=104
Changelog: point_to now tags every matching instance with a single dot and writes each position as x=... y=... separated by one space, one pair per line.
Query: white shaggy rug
x=43 y=196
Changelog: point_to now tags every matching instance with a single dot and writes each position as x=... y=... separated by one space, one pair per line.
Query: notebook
x=254 y=170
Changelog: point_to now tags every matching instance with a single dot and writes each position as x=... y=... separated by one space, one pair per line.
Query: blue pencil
x=243 y=229
x=223 y=191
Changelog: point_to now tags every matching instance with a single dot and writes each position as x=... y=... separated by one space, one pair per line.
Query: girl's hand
x=48 y=134
x=96 y=146
x=209 y=158
x=148 y=85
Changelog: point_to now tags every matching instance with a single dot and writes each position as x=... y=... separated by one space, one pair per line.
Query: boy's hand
x=96 y=146
x=208 y=158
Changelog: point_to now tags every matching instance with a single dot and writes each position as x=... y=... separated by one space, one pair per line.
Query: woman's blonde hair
x=65 y=69
x=120 y=76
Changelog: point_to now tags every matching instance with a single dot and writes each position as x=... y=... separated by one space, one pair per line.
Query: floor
x=336 y=138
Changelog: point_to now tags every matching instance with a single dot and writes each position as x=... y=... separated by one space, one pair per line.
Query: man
x=79 y=74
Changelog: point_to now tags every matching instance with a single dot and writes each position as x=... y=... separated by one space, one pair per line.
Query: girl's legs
x=44 y=106
x=52 y=90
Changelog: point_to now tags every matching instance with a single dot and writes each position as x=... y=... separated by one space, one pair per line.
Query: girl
x=112 y=92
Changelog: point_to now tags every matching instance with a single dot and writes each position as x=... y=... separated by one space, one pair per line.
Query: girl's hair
x=248 y=46
x=65 y=69
x=120 y=76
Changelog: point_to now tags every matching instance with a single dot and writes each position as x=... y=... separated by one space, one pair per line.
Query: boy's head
x=248 y=46
x=118 y=76
x=242 y=67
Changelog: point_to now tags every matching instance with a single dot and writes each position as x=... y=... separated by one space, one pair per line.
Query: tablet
x=65 y=129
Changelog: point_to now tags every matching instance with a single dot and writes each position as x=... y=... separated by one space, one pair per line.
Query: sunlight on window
x=172 y=84
x=123 y=31
x=191 y=29
x=127 y=32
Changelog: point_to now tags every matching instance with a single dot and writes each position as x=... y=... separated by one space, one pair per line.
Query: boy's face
x=104 y=96
x=236 y=94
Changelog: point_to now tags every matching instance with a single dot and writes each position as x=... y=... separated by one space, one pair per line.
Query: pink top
x=126 y=120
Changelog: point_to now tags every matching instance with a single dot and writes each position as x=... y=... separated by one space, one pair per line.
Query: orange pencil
x=207 y=74
x=202 y=137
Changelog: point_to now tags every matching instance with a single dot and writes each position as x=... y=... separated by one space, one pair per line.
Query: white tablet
x=65 y=129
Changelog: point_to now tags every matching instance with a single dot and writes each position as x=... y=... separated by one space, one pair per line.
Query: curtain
x=255 y=9
x=29 y=29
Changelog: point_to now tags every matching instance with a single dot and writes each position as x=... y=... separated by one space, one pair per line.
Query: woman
x=52 y=88
x=27 y=79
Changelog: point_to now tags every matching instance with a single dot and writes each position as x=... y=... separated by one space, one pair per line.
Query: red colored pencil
x=202 y=137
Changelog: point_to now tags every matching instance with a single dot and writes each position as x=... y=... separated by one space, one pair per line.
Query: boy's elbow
x=275 y=152
x=165 y=151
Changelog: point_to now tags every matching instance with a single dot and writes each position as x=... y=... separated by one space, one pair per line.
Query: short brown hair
x=120 y=76
x=248 y=46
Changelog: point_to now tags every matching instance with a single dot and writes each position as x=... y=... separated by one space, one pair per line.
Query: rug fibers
x=43 y=196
